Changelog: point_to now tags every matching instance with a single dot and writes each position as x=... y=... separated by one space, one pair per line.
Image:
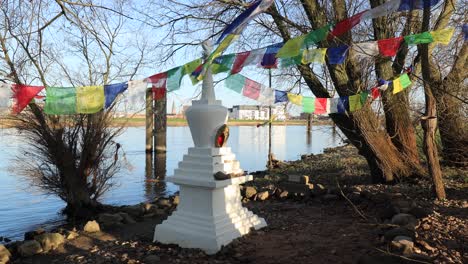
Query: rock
x=426 y=246
x=262 y=196
x=405 y=220
x=250 y=192
x=164 y=202
x=69 y=235
x=126 y=218
x=29 y=248
x=220 y=176
x=50 y=241
x=283 y=194
x=148 y=207
x=134 y=210
x=420 y=212
x=403 y=244
x=110 y=220
x=152 y=259
x=318 y=189
x=4 y=254
x=399 y=231
x=388 y=212
x=91 y=227
x=31 y=234
x=176 y=200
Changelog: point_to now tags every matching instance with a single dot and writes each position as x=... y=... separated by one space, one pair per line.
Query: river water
x=24 y=208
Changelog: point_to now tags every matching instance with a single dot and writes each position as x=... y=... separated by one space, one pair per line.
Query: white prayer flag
x=255 y=57
x=6 y=94
x=382 y=10
x=366 y=49
x=332 y=105
x=137 y=94
x=267 y=96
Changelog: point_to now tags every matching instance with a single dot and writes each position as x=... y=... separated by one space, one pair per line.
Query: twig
x=349 y=201
x=402 y=257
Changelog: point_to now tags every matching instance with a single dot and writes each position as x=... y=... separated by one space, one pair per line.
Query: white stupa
x=210 y=213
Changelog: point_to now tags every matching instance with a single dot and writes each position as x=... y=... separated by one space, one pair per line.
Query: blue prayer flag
x=112 y=90
x=408 y=5
x=280 y=96
x=337 y=55
x=343 y=104
x=465 y=31
x=269 y=59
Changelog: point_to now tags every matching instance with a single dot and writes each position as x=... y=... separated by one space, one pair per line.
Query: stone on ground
x=152 y=259
x=92 y=227
x=399 y=231
x=69 y=235
x=126 y=218
x=404 y=220
x=250 y=192
x=50 y=241
x=403 y=244
x=110 y=219
x=31 y=234
x=164 y=202
x=4 y=254
x=262 y=196
x=176 y=200
x=29 y=248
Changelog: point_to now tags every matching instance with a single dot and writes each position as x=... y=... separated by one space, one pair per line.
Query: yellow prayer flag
x=295 y=99
x=355 y=102
x=443 y=36
x=89 y=99
x=313 y=55
x=397 y=86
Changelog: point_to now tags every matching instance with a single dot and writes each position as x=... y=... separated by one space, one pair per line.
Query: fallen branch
x=349 y=201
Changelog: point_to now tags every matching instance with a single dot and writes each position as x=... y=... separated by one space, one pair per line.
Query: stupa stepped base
x=209 y=216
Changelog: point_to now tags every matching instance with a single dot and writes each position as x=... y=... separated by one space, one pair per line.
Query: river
x=24 y=208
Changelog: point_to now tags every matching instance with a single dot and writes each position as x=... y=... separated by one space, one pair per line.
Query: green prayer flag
x=224 y=65
x=60 y=101
x=289 y=62
x=420 y=38
x=308 y=104
x=174 y=77
x=190 y=67
x=317 y=35
x=291 y=48
x=405 y=81
x=364 y=96
x=355 y=102
x=235 y=82
x=89 y=99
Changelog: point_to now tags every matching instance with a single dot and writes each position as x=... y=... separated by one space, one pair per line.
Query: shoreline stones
x=29 y=248
x=5 y=254
x=50 y=241
x=92 y=227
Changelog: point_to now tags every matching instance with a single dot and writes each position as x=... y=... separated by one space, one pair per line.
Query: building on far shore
x=256 y=112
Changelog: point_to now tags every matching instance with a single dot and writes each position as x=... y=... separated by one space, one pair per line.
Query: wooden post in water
x=270 y=162
x=149 y=121
x=160 y=124
x=309 y=123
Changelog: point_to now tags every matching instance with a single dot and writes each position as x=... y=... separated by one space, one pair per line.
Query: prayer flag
x=465 y=31
x=235 y=82
x=158 y=93
x=337 y=55
x=366 y=49
x=420 y=38
x=289 y=62
x=22 y=96
x=6 y=93
x=241 y=21
x=343 y=104
x=216 y=53
x=267 y=95
x=355 y=102
x=345 y=25
x=408 y=5
x=196 y=73
x=382 y=10
x=60 y=101
x=364 y=96
x=174 y=77
x=292 y=47
x=308 y=104
x=239 y=62
x=269 y=59
x=137 y=93
x=251 y=89
x=389 y=47
x=375 y=92
x=313 y=55
x=223 y=63
x=89 y=99
x=255 y=57
x=321 y=106
x=192 y=66
x=280 y=96
x=397 y=86
x=295 y=99
x=317 y=35
x=405 y=80
x=443 y=36
x=112 y=90
x=157 y=81
x=332 y=105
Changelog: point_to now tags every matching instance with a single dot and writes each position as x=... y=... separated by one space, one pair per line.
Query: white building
x=256 y=112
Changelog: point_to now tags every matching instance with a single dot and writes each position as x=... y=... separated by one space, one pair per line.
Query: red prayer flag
x=389 y=47
x=22 y=95
x=346 y=25
x=158 y=80
x=375 y=92
x=158 y=93
x=251 y=89
x=239 y=62
x=320 y=106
